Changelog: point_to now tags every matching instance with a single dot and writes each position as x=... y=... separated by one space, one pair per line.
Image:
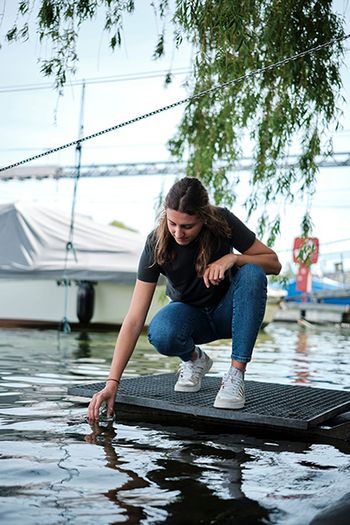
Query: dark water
x=56 y=469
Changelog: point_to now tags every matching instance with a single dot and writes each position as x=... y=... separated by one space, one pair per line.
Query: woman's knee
x=252 y=275
x=165 y=334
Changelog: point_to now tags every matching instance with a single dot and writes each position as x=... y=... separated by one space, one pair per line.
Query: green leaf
x=295 y=102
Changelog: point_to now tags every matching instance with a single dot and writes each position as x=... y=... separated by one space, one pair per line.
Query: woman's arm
x=258 y=253
x=127 y=338
x=262 y=255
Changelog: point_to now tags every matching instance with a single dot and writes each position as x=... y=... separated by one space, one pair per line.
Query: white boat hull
x=44 y=301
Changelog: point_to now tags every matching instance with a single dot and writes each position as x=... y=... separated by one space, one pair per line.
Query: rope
x=178 y=103
x=65 y=326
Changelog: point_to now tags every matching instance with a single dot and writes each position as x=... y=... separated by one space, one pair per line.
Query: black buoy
x=85 y=301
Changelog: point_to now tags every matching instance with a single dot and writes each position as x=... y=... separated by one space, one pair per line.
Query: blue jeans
x=178 y=327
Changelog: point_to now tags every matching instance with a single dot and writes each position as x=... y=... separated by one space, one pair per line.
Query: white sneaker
x=232 y=392
x=191 y=373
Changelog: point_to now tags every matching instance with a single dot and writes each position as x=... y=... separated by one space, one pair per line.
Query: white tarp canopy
x=33 y=243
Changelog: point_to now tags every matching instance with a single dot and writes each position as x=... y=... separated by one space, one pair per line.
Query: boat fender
x=85 y=301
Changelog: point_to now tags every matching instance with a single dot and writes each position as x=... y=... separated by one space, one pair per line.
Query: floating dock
x=291 y=409
x=318 y=313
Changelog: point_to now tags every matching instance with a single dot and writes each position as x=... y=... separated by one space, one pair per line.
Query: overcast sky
x=35 y=119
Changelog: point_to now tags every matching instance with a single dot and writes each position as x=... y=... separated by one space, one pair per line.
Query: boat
x=51 y=273
x=47 y=275
x=327 y=302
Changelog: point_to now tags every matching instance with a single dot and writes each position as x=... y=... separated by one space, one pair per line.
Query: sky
x=34 y=119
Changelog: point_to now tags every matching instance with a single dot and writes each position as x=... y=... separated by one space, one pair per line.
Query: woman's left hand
x=215 y=271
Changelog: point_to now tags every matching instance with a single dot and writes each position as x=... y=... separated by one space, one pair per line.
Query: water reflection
x=172 y=477
x=223 y=478
x=296 y=354
x=84 y=345
x=103 y=436
x=301 y=362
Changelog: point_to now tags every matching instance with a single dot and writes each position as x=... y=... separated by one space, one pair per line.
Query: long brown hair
x=188 y=195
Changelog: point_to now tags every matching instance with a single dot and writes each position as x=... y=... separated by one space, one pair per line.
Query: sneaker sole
x=225 y=403
x=194 y=388
x=182 y=388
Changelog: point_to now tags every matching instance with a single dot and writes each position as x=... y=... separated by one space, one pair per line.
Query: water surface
x=57 y=469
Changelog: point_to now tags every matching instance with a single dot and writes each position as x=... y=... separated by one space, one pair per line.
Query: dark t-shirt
x=183 y=283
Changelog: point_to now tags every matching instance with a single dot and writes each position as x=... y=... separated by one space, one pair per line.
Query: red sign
x=305 y=250
x=303 y=283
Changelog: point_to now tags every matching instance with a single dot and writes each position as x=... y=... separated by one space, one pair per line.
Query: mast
x=65 y=326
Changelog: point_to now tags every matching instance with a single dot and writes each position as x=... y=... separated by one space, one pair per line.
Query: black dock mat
x=286 y=406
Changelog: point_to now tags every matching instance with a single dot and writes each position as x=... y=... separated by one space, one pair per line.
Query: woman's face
x=183 y=227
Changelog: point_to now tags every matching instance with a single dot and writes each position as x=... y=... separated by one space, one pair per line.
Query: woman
x=214 y=293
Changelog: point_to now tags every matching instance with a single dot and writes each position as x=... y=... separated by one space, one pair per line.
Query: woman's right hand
x=127 y=338
x=107 y=396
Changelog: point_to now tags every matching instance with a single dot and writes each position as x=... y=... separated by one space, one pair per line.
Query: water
x=57 y=469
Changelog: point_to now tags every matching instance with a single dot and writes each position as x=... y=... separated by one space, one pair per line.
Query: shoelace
x=233 y=384
x=188 y=369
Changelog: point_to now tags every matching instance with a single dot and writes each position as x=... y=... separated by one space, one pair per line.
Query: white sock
x=236 y=372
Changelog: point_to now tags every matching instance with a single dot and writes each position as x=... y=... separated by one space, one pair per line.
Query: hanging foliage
x=293 y=103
